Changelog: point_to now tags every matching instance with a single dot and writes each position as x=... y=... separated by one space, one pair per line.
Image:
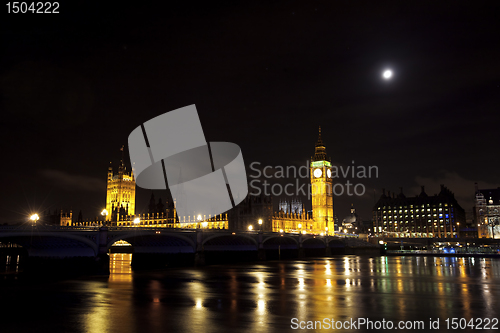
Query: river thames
x=273 y=296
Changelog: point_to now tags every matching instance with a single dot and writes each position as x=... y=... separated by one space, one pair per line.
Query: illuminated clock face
x=317 y=173
x=329 y=173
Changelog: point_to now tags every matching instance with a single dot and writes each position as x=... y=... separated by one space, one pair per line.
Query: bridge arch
x=278 y=237
x=252 y=239
x=336 y=242
x=128 y=237
x=314 y=242
x=25 y=240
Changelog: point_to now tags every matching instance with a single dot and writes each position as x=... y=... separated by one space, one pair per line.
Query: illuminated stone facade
x=322 y=219
x=161 y=221
x=437 y=216
x=487 y=213
x=321 y=188
x=292 y=217
x=60 y=218
x=351 y=222
x=248 y=213
x=120 y=198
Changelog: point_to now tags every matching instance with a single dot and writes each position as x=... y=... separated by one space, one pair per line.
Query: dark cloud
x=72 y=182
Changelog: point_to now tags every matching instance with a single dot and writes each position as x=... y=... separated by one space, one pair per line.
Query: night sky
x=264 y=76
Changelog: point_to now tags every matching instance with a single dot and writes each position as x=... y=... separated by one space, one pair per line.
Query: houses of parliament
x=253 y=213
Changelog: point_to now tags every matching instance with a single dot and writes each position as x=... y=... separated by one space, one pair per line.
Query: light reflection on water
x=120 y=267
x=266 y=296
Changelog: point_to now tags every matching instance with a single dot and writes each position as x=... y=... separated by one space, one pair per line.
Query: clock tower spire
x=320 y=151
x=321 y=189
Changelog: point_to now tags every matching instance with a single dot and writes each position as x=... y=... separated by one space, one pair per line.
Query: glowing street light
x=250 y=227
x=105 y=214
x=260 y=224
x=204 y=224
x=34 y=218
x=137 y=221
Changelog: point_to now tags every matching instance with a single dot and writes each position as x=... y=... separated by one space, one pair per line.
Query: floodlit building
x=437 y=216
x=120 y=197
x=351 y=224
x=487 y=213
x=322 y=219
x=253 y=213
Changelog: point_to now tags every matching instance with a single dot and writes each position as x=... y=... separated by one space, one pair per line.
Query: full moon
x=387 y=74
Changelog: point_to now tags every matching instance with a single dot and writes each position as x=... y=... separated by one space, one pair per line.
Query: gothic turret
x=120 y=191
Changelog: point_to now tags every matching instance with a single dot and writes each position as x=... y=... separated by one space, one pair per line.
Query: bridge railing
x=97 y=228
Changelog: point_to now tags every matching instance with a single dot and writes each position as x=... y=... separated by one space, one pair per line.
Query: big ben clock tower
x=321 y=189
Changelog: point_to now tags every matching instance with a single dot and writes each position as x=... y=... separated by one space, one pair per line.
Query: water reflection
x=120 y=267
x=266 y=296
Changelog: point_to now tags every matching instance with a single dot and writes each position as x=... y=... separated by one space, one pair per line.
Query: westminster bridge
x=59 y=241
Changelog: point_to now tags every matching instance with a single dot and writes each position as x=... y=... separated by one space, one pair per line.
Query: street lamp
x=204 y=224
x=34 y=218
x=105 y=214
x=137 y=221
x=326 y=231
x=300 y=227
x=250 y=227
x=260 y=224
